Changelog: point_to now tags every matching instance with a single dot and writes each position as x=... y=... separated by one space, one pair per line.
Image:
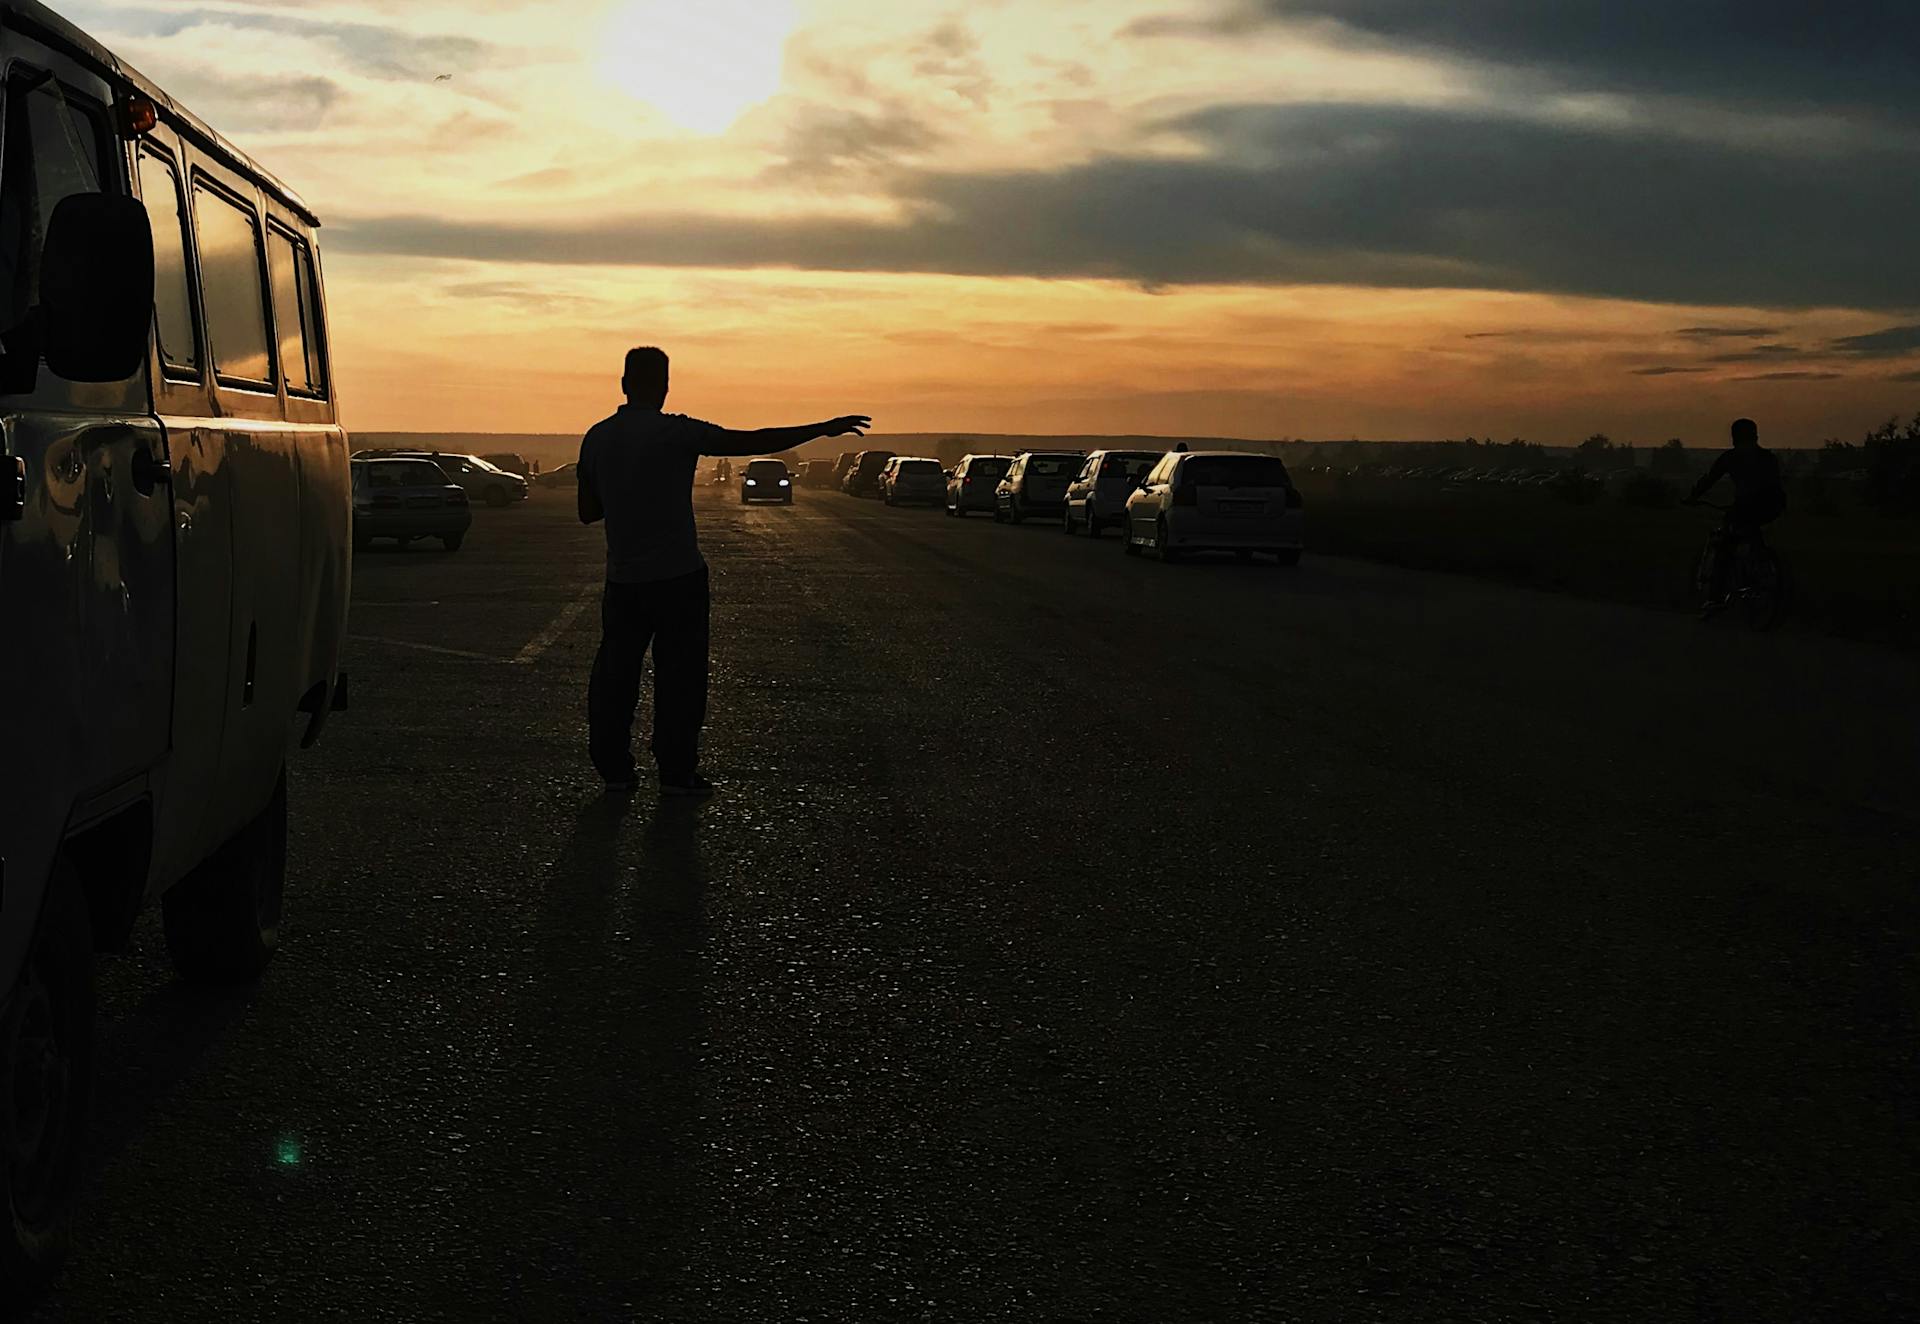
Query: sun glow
x=702 y=64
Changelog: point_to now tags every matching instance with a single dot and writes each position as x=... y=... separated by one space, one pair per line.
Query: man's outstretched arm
x=771 y=441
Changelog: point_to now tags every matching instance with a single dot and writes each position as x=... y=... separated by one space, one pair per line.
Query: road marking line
x=548 y=637
x=425 y=648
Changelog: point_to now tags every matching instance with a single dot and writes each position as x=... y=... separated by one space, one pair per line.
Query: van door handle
x=149 y=471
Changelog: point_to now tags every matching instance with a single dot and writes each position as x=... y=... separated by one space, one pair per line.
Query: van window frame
x=306 y=290
x=202 y=178
x=184 y=374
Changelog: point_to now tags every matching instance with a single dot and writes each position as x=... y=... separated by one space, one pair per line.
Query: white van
x=175 y=533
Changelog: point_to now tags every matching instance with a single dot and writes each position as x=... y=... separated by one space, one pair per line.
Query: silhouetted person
x=1759 y=495
x=636 y=472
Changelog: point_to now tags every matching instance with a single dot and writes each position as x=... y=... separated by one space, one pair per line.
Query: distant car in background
x=1097 y=496
x=816 y=473
x=1036 y=484
x=1228 y=501
x=566 y=475
x=407 y=500
x=863 y=478
x=971 y=484
x=512 y=462
x=766 y=480
x=842 y=465
x=913 y=478
x=479 y=479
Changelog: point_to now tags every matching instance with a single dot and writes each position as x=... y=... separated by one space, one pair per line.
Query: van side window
x=173 y=308
x=231 y=286
x=293 y=313
x=52 y=150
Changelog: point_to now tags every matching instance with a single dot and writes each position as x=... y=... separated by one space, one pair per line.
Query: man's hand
x=857 y=424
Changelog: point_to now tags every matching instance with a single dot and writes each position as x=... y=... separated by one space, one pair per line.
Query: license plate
x=1243 y=507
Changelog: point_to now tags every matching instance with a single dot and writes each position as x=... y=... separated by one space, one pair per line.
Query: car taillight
x=967 y=481
x=1186 y=494
x=457 y=497
x=1293 y=499
x=381 y=499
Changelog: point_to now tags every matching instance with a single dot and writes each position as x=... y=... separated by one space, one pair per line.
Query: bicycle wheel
x=1765 y=592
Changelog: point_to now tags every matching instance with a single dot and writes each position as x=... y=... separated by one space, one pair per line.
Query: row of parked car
x=410 y=496
x=1170 y=502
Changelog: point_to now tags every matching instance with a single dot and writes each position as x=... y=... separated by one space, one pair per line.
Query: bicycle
x=1756 y=580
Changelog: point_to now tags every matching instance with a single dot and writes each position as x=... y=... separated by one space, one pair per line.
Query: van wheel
x=1093 y=522
x=1013 y=512
x=223 y=919
x=453 y=540
x=46 y=1080
x=496 y=497
x=1163 y=543
x=1127 y=544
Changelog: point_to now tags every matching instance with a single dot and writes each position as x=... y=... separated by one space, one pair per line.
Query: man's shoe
x=689 y=786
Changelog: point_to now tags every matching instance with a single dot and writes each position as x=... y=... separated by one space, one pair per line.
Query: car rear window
x=920 y=467
x=1054 y=466
x=1129 y=467
x=1235 y=471
x=988 y=468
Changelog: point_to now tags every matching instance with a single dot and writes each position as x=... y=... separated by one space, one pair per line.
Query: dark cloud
x=1863 y=55
x=1759 y=354
x=1326 y=194
x=1887 y=344
x=1663 y=371
x=824 y=141
x=1728 y=332
x=379 y=50
x=1792 y=377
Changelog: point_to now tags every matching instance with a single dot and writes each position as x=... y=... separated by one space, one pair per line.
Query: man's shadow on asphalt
x=616 y=1022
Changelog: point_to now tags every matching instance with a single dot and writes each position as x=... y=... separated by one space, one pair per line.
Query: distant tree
x=1595 y=446
x=1892 y=454
x=1669 y=458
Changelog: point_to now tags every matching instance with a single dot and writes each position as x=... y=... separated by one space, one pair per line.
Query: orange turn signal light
x=138 y=116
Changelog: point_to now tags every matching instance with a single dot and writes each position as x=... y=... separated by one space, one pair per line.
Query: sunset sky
x=1263 y=218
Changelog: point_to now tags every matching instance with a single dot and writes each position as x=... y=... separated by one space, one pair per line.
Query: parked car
x=405 y=500
x=566 y=475
x=766 y=480
x=481 y=480
x=175 y=556
x=913 y=478
x=1036 y=484
x=1194 y=501
x=1097 y=496
x=842 y=466
x=863 y=477
x=971 y=484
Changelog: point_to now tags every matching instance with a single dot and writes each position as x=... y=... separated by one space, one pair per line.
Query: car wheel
x=1066 y=519
x=1287 y=556
x=1127 y=544
x=1163 y=543
x=787 y=500
x=223 y=920
x=362 y=541
x=46 y=1081
x=453 y=540
x=999 y=515
x=497 y=497
x=1093 y=522
x=1013 y=512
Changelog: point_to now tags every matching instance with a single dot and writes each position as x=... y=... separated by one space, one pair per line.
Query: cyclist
x=1759 y=498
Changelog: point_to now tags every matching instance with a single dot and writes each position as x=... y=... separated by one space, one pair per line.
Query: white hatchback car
x=1229 y=501
x=1097 y=498
x=913 y=478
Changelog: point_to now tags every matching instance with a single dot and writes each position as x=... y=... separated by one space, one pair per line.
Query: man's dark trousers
x=671 y=615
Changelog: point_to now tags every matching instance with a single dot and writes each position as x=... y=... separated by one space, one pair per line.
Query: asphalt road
x=1074 y=939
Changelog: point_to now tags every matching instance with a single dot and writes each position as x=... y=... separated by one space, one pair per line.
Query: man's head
x=645 y=381
x=1746 y=432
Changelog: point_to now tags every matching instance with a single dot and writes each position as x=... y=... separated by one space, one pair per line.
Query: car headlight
x=751 y=483
x=785 y=483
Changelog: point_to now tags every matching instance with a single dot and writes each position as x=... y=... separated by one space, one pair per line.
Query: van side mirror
x=96 y=287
